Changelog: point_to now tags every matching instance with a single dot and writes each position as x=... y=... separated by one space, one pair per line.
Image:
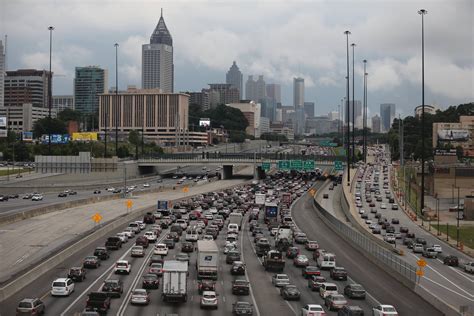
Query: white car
x=312 y=310
x=140 y=296
x=151 y=236
x=62 y=287
x=160 y=249
x=122 y=266
x=207 y=237
x=37 y=197
x=383 y=206
x=137 y=251
x=123 y=237
x=437 y=248
x=279 y=280
x=110 y=189
x=130 y=232
x=384 y=310
x=361 y=211
x=146 y=185
x=326 y=289
x=390 y=238
x=182 y=223
x=209 y=299
x=141 y=224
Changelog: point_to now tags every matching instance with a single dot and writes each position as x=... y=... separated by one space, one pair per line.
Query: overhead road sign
x=308 y=165
x=296 y=164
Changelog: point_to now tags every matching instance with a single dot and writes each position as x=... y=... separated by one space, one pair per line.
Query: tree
x=48 y=125
x=69 y=115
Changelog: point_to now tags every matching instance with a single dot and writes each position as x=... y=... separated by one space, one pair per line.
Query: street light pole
x=347 y=111
x=364 y=125
x=353 y=105
x=50 y=90
x=422 y=12
x=117 y=103
x=457 y=225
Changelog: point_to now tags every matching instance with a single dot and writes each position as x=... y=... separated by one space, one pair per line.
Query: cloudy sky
x=279 y=39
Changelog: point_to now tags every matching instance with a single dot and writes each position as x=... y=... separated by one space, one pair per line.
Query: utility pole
x=353 y=105
x=117 y=103
x=50 y=89
x=364 y=125
x=347 y=111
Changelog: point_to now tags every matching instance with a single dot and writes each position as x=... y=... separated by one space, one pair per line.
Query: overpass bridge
x=228 y=160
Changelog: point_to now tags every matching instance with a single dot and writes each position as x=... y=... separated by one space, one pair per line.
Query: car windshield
x=331 y=288
x=209 y=296
x=389 y=309
x=90 y=258
x=240 y=282
x=139 y=292
x=25 y=305
x=242 y=305
x=122 y=264
x=59 y=284
x=316 y=309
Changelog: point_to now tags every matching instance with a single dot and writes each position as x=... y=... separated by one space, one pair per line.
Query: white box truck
x=260 y=198
x=175 y=278
x=207 y=259
x=236 y=218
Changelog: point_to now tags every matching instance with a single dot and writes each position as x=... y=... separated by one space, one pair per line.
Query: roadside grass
x=466 y=233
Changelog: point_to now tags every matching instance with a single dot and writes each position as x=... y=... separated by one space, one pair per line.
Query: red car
x=311 y=245
x=309 y=271
x=372 y=204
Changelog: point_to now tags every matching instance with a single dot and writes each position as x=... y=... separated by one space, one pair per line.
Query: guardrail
x=241 y=156
x=377 y=254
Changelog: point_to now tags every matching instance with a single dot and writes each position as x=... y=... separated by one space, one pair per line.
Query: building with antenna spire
x=157 y=59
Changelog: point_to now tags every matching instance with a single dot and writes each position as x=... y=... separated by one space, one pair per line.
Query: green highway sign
x=338 y=165
x=284 y=165
x=324 y=143
x=266 y=166
x=332 y=144
x=296 y=164
x=308 y=165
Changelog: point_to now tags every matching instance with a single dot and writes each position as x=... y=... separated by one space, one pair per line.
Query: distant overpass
x=233 y=159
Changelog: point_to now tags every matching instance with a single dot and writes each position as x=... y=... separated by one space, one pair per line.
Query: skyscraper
x=376 y=124
x=234 y=77
x=309 y=109
x=89 y=82
x=298 y=93
x=255 y=90
x=274 y=92
x=2 y=73
x=27 y=86
x=157 y=59
x=387 y=114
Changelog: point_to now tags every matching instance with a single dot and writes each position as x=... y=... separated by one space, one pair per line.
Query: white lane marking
x=99 y=278
x=442 y=276
x=446 y=288
x=257 y=310
x=124 y=304
x=348 y=278
x=462 y=274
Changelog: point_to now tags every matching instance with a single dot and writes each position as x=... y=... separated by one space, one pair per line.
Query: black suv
x=102 y=253
x=77 y=274
x=113 y=288
x=240 y=287
x=238 y=268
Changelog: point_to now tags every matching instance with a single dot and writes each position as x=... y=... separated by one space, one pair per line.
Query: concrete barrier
x=88 y=238
x=438 y=303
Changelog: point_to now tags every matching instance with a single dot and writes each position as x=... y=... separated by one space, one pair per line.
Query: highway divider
x=15 y=285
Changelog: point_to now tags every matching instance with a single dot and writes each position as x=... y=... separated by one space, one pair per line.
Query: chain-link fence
x=379 y=253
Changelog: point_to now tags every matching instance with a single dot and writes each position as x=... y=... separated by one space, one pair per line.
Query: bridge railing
x=242 y=156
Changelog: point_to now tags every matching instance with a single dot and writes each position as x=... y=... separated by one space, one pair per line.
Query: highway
x=382 y=286
x=449 y=284
x=20 y=204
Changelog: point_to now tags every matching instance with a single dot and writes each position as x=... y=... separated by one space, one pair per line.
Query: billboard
x=205 y=122
x=27 y=136
x=162 y=205
x=3 y=121
x=85 y=136
x=56 y=139
x=459 y=135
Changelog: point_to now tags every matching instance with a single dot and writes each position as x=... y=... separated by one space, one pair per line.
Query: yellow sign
x=129 y=203
x=186 y=189
x=421 y=263
x=85 y=137
x=312 y=192
x=96 y=217
x=420 y=272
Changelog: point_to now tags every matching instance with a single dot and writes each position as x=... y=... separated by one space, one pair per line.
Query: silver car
x=279 y=280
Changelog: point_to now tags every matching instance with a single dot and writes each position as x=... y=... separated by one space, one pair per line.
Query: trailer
x=207 y=259
x=175 y=279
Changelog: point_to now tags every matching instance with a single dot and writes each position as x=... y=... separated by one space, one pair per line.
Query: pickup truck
x=98 y=301
x=274 y=261
x=113 y=243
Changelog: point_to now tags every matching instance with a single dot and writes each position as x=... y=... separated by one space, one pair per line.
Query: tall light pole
x=347 y=111
x=117 y=103
x=50 y=90
x=422 y=12
x=364 y=116
x=353 y=106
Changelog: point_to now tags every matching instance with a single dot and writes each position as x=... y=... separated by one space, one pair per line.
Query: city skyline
x=393 y=59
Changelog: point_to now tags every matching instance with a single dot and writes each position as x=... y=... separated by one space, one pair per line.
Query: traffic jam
x=189 y=255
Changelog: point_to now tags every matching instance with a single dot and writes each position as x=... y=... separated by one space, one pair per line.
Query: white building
x=157 y=60
x=251 y=111
x=264 y=125
x=22 y=118
x=298 y=92
x=62 y=102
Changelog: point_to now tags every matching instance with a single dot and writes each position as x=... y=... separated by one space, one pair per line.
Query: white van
x=327 y=261
x=62 y=287
x=326 y=289
x=233 y=228
x=192 y=235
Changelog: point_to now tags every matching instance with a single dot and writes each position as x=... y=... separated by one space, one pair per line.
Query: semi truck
x=207 y=259
x=271 y=215
x=175 y=277
x=236 y=218
x=283 y=238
